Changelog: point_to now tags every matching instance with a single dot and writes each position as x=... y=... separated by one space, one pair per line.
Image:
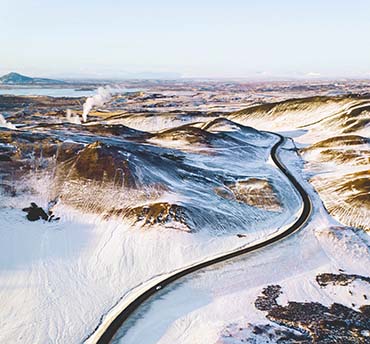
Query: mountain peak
x=13 y=74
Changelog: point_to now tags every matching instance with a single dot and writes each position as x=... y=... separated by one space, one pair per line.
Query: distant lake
x=51 y=92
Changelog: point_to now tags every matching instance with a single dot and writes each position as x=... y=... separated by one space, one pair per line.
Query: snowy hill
x=19 y=79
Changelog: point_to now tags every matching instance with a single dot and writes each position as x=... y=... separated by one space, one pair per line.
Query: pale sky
x=230 y=38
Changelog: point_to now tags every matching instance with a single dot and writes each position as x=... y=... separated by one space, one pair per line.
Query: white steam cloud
x=104 y=95
x=72 y=117
x=5 y=124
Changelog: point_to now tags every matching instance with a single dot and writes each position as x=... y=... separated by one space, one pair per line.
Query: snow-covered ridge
x=334 y=135
x=218 y=304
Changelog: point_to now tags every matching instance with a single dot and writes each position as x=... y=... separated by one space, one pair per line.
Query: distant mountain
x=19 y=79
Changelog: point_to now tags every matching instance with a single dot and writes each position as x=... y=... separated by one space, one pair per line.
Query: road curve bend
x=111 y=329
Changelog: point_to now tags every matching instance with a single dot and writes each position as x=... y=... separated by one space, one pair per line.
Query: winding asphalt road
x=112 y=328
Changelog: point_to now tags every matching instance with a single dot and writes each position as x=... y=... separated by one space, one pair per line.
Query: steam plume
x=73 y=118
x=5 y=124
x=104 y=95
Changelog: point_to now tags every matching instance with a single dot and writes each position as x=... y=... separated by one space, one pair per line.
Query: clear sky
x=196 y=38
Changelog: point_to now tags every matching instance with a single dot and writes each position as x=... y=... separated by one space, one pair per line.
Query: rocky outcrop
x=339 y=279
x=334 y=324
x=34 y=213
x=320 y=324
x=156 y=213
x=253 y=191
x=267 y=300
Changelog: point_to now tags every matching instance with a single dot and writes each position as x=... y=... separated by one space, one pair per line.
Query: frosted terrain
x=217 y=305
x=77 y=269
x=157 y=181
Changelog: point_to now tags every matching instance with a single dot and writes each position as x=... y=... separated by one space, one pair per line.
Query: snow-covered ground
x=215 y=305
x=333 y=134
x=59 y=280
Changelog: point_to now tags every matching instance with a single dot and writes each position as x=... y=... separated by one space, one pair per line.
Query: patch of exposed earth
x=305 y=322
x=253 y=191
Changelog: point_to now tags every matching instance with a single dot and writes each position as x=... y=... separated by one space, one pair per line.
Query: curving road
x=117 y=322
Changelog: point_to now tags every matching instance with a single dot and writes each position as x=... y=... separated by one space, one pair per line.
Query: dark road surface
x=112 y=328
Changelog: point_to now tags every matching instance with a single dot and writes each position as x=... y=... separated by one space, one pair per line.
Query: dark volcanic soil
x=318 y=323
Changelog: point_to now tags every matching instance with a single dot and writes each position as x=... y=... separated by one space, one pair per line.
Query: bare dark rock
x=334 y=324
x=321 y=324
x=267 y=300
x=241 y=235
x=339 y=279
x=34 y=213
